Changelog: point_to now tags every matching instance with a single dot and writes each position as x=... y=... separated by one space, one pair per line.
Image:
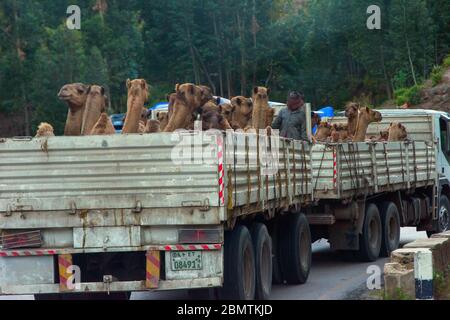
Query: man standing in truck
x=291 y=121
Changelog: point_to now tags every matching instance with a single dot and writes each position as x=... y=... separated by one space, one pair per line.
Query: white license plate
x=186 y=260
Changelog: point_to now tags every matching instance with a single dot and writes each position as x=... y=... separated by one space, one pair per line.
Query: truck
x=212 y=212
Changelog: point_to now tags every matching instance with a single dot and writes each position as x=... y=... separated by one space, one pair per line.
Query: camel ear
x=239 y=101
x=177 y=86
x=88 y=90
x=255 y=90
x=128 y=83
x=102 y=90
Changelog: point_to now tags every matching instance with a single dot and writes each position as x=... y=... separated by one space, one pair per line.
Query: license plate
x=186 y=260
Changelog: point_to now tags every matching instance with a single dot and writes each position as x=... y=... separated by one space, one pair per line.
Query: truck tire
x=390 y=224
x=444 y=214
x=295 y=248
x=262 y=246
x=370 y=239
x=239 y=265
x=274 y=230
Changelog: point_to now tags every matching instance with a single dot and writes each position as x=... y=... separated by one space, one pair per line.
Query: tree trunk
x=386 y=77
x=411 y=64
x=240 y=26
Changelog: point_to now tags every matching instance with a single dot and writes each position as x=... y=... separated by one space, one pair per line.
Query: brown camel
x=242 y=112
x=351 y=112
x=270 y=114
x=397 y=132
x=188 y=99
x=45 y=130
x=260 y=99
x=365 y=117
x=339 y=133
x=383 y=136
x=163 y=118
x=103 y=126
x=153 y=126
x=96 y=103
x=227 y=110
x=323 y=132
x=75 y=96
x=138 y=94
x=215 y=120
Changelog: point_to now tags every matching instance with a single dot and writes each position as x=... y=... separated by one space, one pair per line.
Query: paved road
x=331 y=277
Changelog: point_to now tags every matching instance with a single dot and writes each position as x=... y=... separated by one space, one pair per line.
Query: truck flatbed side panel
x=349 y=169
x=253 y=185
x=107 y=172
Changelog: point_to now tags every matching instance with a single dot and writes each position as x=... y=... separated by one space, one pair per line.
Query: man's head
x=295 y=100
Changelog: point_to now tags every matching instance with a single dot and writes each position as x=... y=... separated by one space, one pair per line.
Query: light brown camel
x=365 y=117
x=153 y=126
x=351 y=112
x=339 y=133
x=227 y=110
x=188 y=99
x=323 y=132
x=138 y=94
x=383 y=136
x=242 y=112
x=103 y=126
x=163 y=118
x=270 y=114
x=260 y=99
x=96 y=104
x=215 y=120
x=75 y=95
x=397 y=132
x=45 y=130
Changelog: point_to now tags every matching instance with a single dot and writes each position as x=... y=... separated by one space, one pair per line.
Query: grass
x=442 y=285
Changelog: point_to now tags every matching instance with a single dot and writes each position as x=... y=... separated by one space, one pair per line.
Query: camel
x=96 y=103
x=351 y=113
x=339 y=133
x=384 y=135
x=323 y=132
x=365 y=117
x=153 y=126
x=163 y=118
x=397 y=132
x=270 y=114
x=260 y=99
x=45 y=130
x=138 y=94
x=215 y=120
x=242 y=112
x=103 y=126
x=188 y=99
x=209 y=106
x=75 y=96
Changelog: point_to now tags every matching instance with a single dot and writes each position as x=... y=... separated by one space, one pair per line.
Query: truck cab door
x=444 y=154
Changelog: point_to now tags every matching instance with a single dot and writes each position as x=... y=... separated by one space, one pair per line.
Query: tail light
x=199 y=236
x=28 y=239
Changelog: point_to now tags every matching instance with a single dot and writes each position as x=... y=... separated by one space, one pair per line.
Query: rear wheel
x=370 y=239
x=295 y=248
x=443 y=223
x=239 y=265
x=262 y=245
x=390 y=224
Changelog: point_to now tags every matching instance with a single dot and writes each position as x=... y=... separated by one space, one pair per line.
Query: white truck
x=199 y=210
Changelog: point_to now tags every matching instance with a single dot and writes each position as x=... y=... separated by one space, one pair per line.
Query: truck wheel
x=295 y=248
x=444 y=218
x=390 y=224
x=262 y=246
x=274 y=229
x=370 y=239
x=239 y=265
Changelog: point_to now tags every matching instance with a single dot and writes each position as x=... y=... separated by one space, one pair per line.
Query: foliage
x=411 y=95
x=321 y=47
x=437 y=74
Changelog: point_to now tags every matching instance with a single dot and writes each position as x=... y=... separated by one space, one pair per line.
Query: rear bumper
x=113 y=287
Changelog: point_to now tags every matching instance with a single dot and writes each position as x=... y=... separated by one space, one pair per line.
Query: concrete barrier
x=409 y=275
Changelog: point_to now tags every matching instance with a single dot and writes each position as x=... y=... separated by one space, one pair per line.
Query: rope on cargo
x=234 y=165
x=259 y=167
x=415 y=163
x=428 y=165
x=286 y=169
x=247 y=161
x=387 y=165
x=295 y=168
x=352 y=178
x=326 y=145
x=402 y=164
x=305 y=176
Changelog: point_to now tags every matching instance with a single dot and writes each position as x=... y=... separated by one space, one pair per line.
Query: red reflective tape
x=217 y=246
x=181 y=248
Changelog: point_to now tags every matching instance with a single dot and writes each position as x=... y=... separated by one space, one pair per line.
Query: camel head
x=209 y=106
x=75 y=94
x=45 y=130
x=227 y=111
x=323 y=131
x=153 y=126
x=242 y=105
x=260 y=93
x=397 y=132
x=351 y=110
x=96 y=104
x=138 y=88
x=192 y=95
x=368 y=115
x=214 y=120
